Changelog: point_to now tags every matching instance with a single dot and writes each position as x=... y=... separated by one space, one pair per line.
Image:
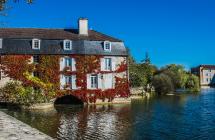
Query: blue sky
x=172 y=31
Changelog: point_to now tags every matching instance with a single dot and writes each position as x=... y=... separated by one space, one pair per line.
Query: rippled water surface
x=181 y=116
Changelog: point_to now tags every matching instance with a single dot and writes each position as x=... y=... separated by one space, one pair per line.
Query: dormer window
x=36 y=44
x=67 y=45
x=107 y=46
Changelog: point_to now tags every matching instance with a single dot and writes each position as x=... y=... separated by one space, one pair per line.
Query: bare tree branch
x=4 y=2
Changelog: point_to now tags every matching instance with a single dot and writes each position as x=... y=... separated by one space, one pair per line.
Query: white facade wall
x=208 y=76
x=104 y=80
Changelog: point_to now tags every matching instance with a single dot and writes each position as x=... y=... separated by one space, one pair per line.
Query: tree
x=4 y=2
x=180 y=78
x=192 y=83
x=147 y=59
x=163 y=84
x=177 y=73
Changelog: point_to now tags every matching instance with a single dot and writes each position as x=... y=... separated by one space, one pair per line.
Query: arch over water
x=68 y=100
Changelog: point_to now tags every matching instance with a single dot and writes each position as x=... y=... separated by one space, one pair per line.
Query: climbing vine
x=91 y=64
x=19 y=67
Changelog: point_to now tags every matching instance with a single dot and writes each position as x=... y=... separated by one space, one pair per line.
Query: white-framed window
x=36 y=44
x=94 y=81
x=1 y=43
x=67 y=45
x=107 y=46
x=108 y=64
x=68 y=62
x=68 y=80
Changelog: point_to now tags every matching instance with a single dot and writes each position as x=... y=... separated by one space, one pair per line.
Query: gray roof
x=19 y=41
x=55 y=47
x=72 y=34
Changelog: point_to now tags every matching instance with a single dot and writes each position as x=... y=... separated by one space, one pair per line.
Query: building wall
x=207 y=77
x=4 y=80
x=106 y=79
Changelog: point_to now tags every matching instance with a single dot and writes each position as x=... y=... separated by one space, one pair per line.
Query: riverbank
x=121 y=100
x=13 y=129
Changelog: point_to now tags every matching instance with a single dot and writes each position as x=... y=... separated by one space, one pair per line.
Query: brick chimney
x=83 y=26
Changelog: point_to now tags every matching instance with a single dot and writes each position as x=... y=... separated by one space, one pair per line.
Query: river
x=181 y=116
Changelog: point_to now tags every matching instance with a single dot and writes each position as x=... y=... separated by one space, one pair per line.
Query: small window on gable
x=36 y=44
x=1 y=43
x=107 y=46
x=67 y=45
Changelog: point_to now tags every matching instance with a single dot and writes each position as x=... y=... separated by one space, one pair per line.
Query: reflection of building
x=98 y=122
x=206 y=74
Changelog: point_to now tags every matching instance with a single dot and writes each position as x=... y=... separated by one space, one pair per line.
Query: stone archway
x=68 y=100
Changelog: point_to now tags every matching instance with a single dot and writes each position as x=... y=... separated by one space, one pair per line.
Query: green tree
x=147 y=59
x=177 y=73
x=141 y=74
x=192 y=83
x=163 y=84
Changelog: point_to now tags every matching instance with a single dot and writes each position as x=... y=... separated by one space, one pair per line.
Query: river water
x=181 y=116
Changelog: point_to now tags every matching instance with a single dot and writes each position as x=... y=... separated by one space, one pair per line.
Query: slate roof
x=19 y=41
x=208 y=66
x=204 y=67
x=71 y=34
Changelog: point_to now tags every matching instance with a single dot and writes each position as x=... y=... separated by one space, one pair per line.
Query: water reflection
x=94 y=122
x=182 y=116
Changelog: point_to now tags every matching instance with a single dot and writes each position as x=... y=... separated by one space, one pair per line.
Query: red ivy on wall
x=48 y=68
x=14 y=66
x=91 y=64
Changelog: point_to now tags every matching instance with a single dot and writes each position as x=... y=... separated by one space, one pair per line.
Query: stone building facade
x=206 y=73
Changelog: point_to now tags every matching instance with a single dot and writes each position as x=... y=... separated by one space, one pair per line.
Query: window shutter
x=1 y=40
x=99 y=81
x=70 y=45
x=102 y=64
x=113 y=61
x=108 y=81
x=64 y=44
x=74 y=82
x=62 y=81
x=88 y=81
x=62 y=63
x=73 y=64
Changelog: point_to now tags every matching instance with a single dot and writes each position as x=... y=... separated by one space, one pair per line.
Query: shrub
x=162 y=84
x=192 y=83
x=135 y=80
x=14 y=92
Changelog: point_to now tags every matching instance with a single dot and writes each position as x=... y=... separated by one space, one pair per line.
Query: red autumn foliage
x=91 y=64
x=14 y=66
x=48 y=68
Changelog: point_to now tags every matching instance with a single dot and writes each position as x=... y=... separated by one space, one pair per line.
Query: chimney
x=83 y=26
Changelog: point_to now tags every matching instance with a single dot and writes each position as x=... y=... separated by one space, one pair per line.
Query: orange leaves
x=48 y=68
x=14 y=66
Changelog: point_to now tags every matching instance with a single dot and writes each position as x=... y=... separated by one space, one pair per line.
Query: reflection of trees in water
x=96 y=122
